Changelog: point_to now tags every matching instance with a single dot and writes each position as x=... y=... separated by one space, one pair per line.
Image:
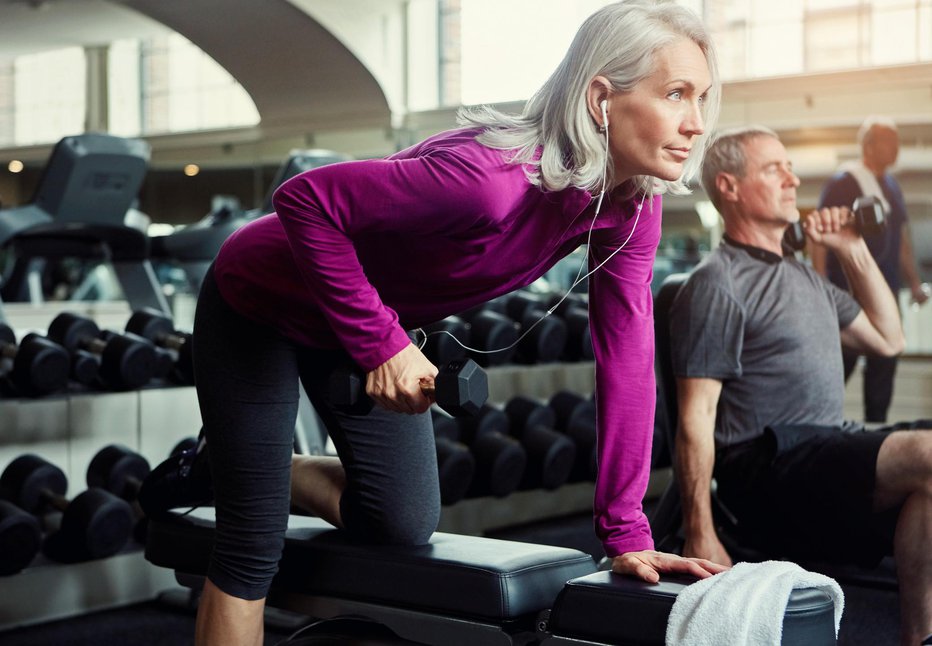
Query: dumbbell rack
x=69 y=429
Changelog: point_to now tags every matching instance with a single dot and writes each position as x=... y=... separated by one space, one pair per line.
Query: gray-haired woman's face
x=653 y=127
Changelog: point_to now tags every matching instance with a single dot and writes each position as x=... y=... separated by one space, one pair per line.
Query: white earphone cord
x=577 y=280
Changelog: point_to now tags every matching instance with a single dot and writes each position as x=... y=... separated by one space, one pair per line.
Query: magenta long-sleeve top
x=358 y=252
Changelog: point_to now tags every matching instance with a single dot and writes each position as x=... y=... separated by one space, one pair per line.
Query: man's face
x=767 y=192
x=884 y=147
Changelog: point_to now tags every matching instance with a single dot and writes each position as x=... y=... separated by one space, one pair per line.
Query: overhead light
x=191 y=170
x=15 y=166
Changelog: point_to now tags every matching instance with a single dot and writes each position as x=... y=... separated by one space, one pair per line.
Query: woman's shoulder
x=458 y=142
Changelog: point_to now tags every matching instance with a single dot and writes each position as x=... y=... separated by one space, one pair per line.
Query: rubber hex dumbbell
x=574 y=310
x=869 y=219
x=500 y=458
x=543 y=337
x=20 y=538
x=491 y=330
x=455 y=463
x=460 y=388
x=158 y=328
x=120 y=471
x=96 y=524
x=441 y=345
x=124 y=363
x=36 y=366
x=551 y=454
x=575 y=416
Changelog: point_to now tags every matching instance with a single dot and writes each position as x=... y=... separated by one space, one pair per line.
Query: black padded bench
x=462 y=589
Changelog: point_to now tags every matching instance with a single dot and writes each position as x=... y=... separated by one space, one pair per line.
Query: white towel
x=744 y=605
x=866 y=180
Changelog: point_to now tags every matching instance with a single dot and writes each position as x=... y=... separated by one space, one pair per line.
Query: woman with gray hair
x=359 y=252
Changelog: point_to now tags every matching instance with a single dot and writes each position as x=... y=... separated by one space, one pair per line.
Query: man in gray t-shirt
x=756 y=346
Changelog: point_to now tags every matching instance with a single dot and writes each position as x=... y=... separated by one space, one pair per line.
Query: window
x=48 y=96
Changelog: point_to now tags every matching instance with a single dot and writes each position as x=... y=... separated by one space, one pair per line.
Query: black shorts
x=806 y=492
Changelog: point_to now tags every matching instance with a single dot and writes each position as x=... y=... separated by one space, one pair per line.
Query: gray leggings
x=247 y=377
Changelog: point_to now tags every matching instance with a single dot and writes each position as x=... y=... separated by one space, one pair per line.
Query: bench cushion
x=466 y=576
x=639 y=611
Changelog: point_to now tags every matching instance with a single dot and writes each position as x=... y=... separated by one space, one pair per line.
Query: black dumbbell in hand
x=36 y=366
x=869 y=219
x=96 y=524
x=125 y=363
x=460 y=388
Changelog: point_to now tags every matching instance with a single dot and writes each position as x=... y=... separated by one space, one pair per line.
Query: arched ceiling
x=296 y=71
x=300 y=76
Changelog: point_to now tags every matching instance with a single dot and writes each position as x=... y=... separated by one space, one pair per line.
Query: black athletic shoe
x=927 y=641
x=182 y=480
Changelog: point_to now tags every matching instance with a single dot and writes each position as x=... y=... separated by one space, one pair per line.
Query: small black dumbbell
x=575 y=416
x=455 y=463
x=124 y=363
x=460 y=388
x=96 y=524
x=441 y=345
x=35 y=367
x=160 y=330
x=551 y=455
x=574 y=310
x=120 y=471
x=20 y=538
x=493 y=332
x=500 y=458
x=869 y=219
x=543 y=337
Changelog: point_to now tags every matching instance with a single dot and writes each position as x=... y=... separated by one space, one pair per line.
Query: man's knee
x=904 y=466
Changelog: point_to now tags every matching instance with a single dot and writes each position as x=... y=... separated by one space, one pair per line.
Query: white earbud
x=604 y=106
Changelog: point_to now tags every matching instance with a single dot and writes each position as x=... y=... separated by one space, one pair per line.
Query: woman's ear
x=599 y=90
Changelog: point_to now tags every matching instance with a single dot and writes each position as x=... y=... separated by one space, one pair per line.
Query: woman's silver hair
x=726 y=154
x=618 y=42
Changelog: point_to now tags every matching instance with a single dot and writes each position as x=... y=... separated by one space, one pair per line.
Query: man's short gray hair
x=726 y=154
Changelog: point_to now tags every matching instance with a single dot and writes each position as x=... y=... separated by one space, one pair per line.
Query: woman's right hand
x=396 y=384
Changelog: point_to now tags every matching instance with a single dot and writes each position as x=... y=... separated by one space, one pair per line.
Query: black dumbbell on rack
x=490 y=329
x=543 y=337
x=500 y=458
x=460 y=388
x=124 y=363
x=574 y=415
x=36 y=366
x=20 y=538
x=574 y=310
x=120 y=470
x=441 y=346
x=455 y=463
x=96 y=524
x=160 y=329
x=551 y=454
